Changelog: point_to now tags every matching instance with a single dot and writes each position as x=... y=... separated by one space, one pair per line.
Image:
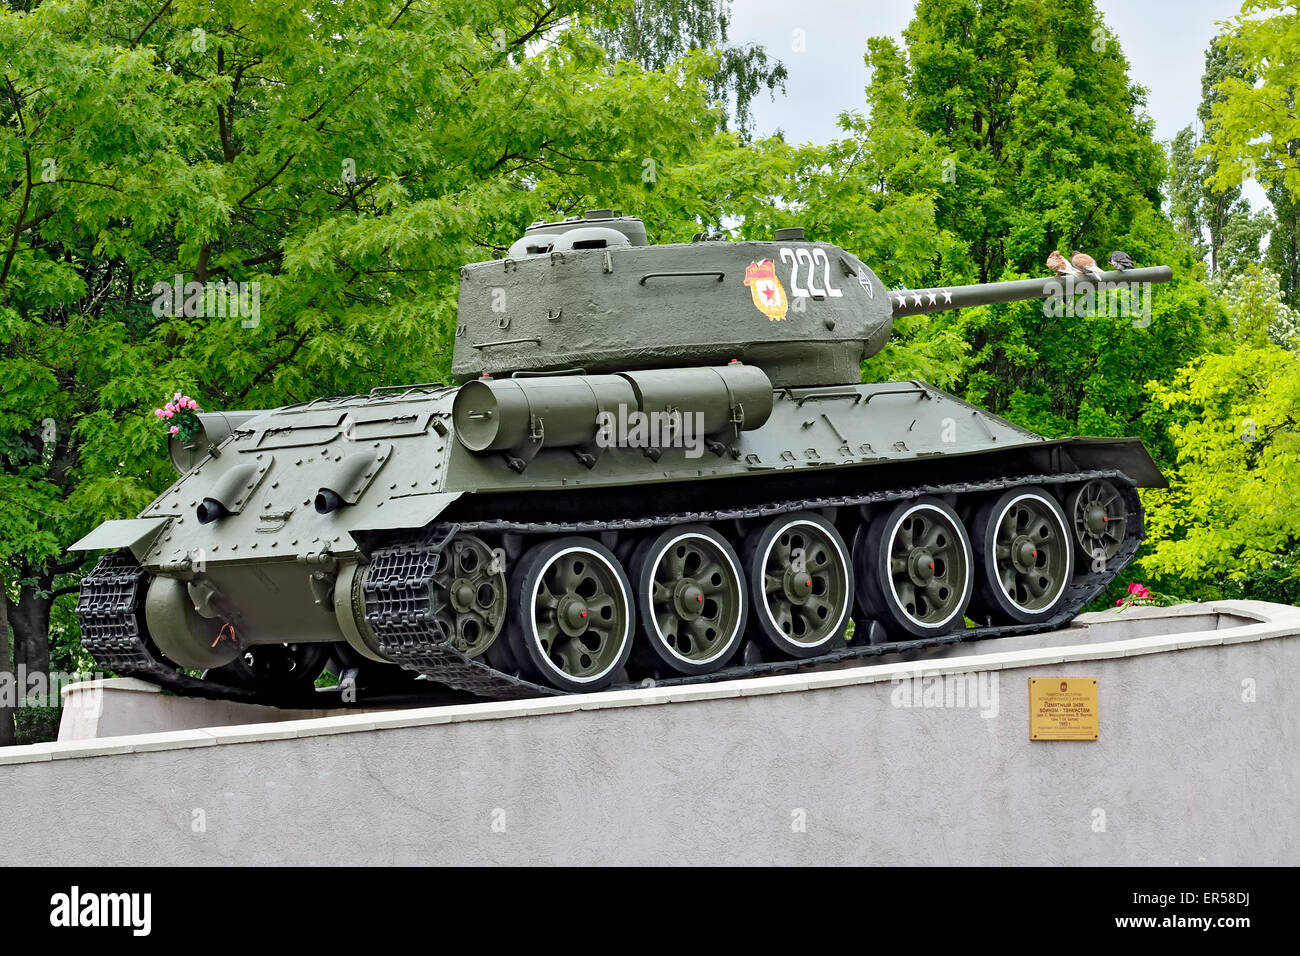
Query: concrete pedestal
x=1198 y=762
x=121 y=706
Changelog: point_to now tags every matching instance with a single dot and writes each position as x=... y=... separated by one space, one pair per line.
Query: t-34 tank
x=660 y=464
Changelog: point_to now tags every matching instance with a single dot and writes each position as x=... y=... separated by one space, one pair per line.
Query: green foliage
x=1230 y=511
x=1257 y=310
x=344 y=159
x=1202 y=207
x=1028 y=136
x=1277 y=581
x=1226 y=526
x=1283 y=254
x=36 y=725
x=1256 y=117
x=654 y=33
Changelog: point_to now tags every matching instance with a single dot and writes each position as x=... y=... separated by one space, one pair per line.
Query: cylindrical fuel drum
x=564 y=410
x=713 y=392
x=501 y=414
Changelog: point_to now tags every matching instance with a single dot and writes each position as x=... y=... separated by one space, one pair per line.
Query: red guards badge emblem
x=766 y=289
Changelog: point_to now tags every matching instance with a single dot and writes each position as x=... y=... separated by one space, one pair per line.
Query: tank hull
x=276 y=571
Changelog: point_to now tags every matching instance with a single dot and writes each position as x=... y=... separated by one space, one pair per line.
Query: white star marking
x=933 y=299
x=947 y=297
x=916 y=298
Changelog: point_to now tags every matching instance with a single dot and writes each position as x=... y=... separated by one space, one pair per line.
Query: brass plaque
x=1063 y=708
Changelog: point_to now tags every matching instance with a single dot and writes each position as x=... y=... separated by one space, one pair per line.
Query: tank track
x=400 y=603
x=111 y=608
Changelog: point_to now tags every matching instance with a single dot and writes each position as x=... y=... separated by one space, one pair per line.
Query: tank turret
x=591 y=293
x=660 y=464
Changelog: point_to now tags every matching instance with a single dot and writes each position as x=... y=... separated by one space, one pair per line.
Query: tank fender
x=1128 y=455
x=412 y=511
x=137 y=534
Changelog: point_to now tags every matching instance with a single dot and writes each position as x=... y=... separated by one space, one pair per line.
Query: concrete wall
x=1198 y=762
x=120 y=706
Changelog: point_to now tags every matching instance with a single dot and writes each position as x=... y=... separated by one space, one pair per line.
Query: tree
x=1283 y=254
x=1187 y=190
x=1256 y=117
x=1230 y=512
x=1220 y=225
x=6 y=667
x=655 y=33
x=1257 y=309
x=1048 y=147
x=342 y=160
x=1234 y=230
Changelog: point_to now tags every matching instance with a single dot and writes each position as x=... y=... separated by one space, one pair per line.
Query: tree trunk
x=30 y=620
x=7 y=735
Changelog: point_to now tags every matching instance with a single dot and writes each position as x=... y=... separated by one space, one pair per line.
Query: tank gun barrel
x=922 y=301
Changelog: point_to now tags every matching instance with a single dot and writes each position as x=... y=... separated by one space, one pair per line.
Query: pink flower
x=175 y=429
x=1134 y=588
x=169 y=413
x=1119 y=603
x=176 y=396
x=158 y=412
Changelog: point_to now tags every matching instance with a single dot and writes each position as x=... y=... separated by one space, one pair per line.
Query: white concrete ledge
x=1266 y=621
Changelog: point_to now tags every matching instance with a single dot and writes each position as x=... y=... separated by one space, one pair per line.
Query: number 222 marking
x=810 y=258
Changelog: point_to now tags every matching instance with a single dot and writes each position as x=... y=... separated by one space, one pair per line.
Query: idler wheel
x=914 y=563
x=1023 y=556
x=1099 y=518
x=800 y=583
x=691 y=599
x=570 y=614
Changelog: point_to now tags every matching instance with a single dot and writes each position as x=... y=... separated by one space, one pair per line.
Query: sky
x=1164 y=41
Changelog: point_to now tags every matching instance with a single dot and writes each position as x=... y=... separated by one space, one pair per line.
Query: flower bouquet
x=1139 y=595
x=180 y=416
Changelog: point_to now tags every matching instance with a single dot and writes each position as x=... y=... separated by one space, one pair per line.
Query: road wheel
x=570 y=614
x=691 y=598
x=1023 y=556
x=1099 y=518
x=915 y=562
x=800 y=583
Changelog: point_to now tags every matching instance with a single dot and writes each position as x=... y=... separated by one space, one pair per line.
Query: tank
x=657 y=464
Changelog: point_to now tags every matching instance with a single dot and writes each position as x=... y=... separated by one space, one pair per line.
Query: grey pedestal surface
x=1198 y=762
x=121 y=706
